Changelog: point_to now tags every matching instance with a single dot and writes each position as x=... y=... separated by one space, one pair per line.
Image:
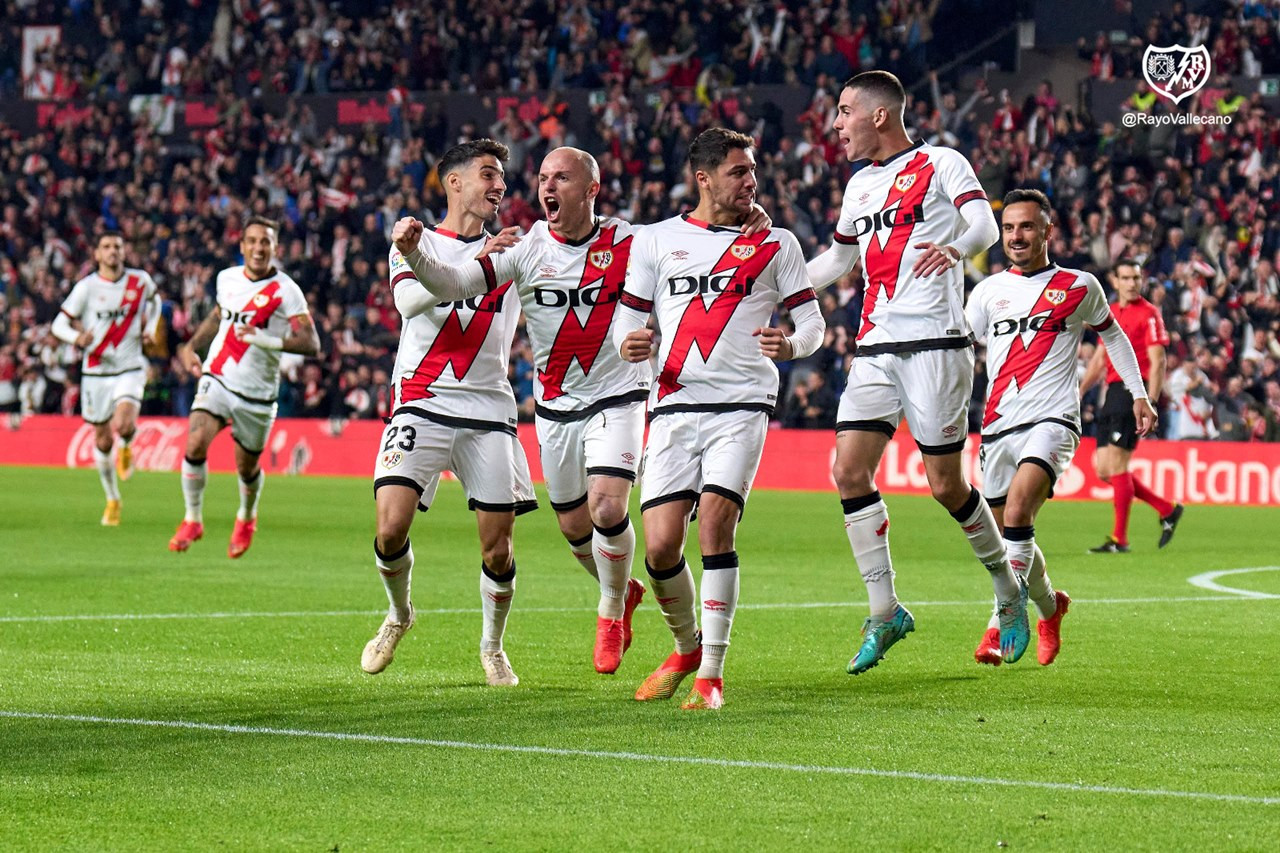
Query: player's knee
x=951 y=494
x=1018 y=514
x=497 y=555
x=608 y=511
x=391 y=540
x=852 y=478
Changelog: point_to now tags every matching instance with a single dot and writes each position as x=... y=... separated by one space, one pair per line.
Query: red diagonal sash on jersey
x=701 y=325
x=582 y=341
x=454 y=347
x=130 y=302
x=882 y=259
x=259 y=309
x=1023 y=360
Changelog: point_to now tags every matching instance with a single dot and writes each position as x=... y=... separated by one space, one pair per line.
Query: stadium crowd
x=1198 y=207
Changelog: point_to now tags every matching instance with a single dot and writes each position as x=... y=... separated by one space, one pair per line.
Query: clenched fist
x=406 y=233
x=637 y=345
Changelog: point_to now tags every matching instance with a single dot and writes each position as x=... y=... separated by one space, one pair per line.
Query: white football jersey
x=1032 y=324
x=710 y=288
x=114 y=311
x=889 y=207
x=570 y=294
x=452 y=360
x=247 y=370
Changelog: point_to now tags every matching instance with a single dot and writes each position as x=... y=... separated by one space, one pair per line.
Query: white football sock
x=584 y=552
x=678 y=600
x=1040 y=588
x=107 y=473
x=866 y=523
x=496 y=592
x=719 y=601
x=194 y=477
x=614 y=548
x=979 y=526
x=396 y=571
x=250 y=491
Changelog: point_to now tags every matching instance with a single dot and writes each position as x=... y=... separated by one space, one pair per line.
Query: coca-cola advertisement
x=1215 y=472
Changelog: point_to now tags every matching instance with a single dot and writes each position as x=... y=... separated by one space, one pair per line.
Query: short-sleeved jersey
x=570 y=294
x=1032 y=324
x=452 y=362
x=710 y=288
x=1144 y=327
x=889 y=207
x=114 y=311
x=244 y=369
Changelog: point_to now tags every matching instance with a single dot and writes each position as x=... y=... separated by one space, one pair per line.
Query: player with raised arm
x=110 y=314
x=1032 y=318
x=589 y=407
x=713 y=290
x=1117 y=430
x=261 y=314
x=453 y=409
x=914 y=212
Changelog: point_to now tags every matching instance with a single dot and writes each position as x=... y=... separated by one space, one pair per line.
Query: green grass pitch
x=241 y=718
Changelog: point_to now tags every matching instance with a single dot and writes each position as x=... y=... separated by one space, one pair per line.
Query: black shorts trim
x=1042 y=465
x=728 y=494
x=712 y=407
x=904 y=347
x=401 y=481
x=566 y=506
x=219 y=418
x=687 y=495
x=995 y=502
x=111 y=375
x=941 y=449
x=455 y=423
x=866 y=426
x=606 y=471
x=518 y=507
x=255 y=400
x=244 y=447
x=104 y=423
x=996 y=436
x=637 y=396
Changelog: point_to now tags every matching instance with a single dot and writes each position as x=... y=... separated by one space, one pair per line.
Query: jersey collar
x=707 y=225
x=582 y=242
x=886 y=161
x=454 y=235
x=1032 y=273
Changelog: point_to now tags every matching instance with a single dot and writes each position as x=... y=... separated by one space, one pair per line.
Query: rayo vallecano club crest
x=1055 y=296
x=903 y=182
x=261 y=299
x=742 y=252
x=1176 y=72
x=601 y=259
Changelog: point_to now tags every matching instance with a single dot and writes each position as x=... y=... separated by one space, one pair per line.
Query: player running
x=914 y=211
x=261 y=314
x=453 y=409
x=1032 y=318
x=713 y=291
x=589 y=403
x=115 y=311
x=1117 y=430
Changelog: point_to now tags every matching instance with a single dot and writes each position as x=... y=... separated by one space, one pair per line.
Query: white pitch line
x=944 y=778
x=1208 y=580
x=445 y=611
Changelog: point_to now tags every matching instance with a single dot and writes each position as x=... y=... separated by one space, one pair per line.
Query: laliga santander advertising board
x=1217 y=472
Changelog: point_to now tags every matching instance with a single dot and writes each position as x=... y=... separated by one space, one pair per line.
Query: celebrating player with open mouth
x=261 y=313
x=117 y=310
x=713 y=290
x=915 y=211
x=1032 y=318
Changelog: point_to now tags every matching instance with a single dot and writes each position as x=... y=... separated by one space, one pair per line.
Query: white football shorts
x=250 y=420
x=694 y=452
x=931 y=389
x=609 y=442
x=491 y=465
x=100 y=394
x=1047 y=444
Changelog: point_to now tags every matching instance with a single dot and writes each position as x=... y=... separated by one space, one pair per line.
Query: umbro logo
x=863 y=197
x=679 y=254
x=1003 y=303
x=628 y=457
x=713 y=604
x=547 y=271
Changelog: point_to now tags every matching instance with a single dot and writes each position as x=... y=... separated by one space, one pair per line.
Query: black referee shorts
x=1116 y=423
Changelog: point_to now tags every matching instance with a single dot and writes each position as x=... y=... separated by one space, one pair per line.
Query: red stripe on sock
x=1122 y=501
x=1142 y=493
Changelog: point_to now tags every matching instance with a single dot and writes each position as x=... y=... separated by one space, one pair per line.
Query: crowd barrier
x=799 y=460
